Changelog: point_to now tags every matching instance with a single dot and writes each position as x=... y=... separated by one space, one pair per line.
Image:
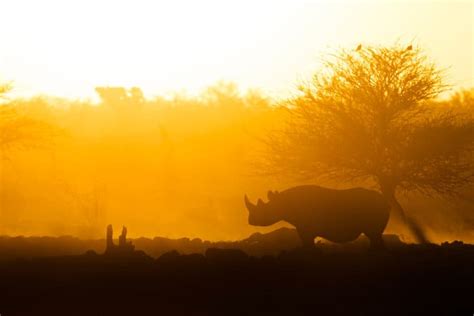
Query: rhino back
x=332 y=209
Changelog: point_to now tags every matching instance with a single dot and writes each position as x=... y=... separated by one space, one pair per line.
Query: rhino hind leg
x=307 y=238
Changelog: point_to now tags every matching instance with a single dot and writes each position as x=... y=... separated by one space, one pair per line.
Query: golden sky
x=65 y=48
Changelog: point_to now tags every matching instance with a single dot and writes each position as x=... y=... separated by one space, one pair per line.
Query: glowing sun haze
x=66 y=48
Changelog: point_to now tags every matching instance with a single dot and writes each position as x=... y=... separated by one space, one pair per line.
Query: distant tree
x=255 y=99
x=4 y=89
x=120 y=97
x=91 y=205
x=112 y=95
x=223 y=94
x=463 y=100
x=19 y=131
x=370 y=116
x=136 y=95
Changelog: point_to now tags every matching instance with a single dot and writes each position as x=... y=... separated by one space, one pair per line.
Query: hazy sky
x=67 y=47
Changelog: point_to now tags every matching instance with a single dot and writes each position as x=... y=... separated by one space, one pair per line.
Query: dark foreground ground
x=405 y=280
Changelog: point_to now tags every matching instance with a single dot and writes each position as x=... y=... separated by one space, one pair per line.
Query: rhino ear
x=272 y=194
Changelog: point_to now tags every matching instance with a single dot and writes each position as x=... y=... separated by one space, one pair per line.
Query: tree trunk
x=415 y=229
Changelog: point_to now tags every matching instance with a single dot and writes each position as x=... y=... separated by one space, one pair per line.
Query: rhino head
x=264 y=214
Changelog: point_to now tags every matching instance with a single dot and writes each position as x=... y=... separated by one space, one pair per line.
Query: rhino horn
x=250 y=207
x=260 y=203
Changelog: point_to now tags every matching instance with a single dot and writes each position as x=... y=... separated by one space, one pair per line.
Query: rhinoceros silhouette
x=336 y=215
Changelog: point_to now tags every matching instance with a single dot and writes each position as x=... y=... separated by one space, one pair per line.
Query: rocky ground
x=328 y=280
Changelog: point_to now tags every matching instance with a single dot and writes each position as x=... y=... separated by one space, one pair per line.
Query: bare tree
x=370 y=116
x=19 y=132
x=92 y=207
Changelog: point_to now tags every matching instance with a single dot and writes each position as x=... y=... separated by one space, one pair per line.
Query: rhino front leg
x=376 y=242
x=307 y=238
